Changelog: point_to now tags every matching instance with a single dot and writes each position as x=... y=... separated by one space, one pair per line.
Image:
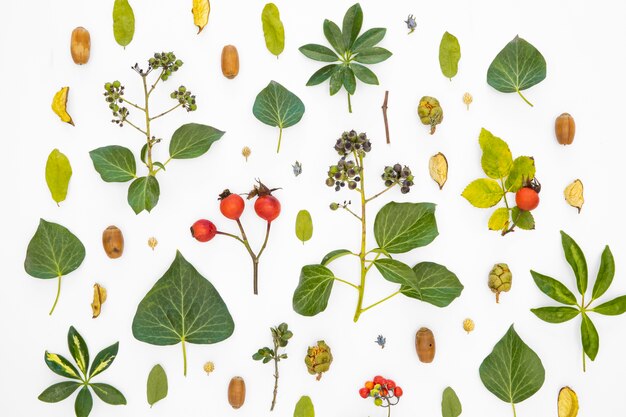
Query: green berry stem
x=149 y=163
x=367 y=200
x=362 y=253
x=166 y=112
x=351 y=212
x=156 y=82
x=132 y=104
x=135 y=126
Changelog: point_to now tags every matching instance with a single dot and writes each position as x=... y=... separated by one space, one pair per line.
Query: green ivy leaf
x=576 y=258
x=372 y=55
x=108 y=394
x=104 y=359
x=322 y=74
x=304 y=225
x=499 y=220
x=84 y=402
x=605 y=274
x=437 y=285
x=449 y=55
x=58 y=392
x=333 y=36
x=79 y=350
x=192 y=140
x=450 y=403
x=368 y=39
x=517 y=67
x=614 y=307
x=273 y=29
x=523 y=219
x=523 y=170
x=401 y=227
x=318 y=53
x=143 y=194
x=553 y=289
x=352 y=23
x=304 y=407
x=157 y=385
x=114 y=163
x=483 y=193
x=590 y=338
x=556 y=314
x=397 y=272
x=496 y=160
x=313 y=290
x=123 y=25
x=364 y=74
x=58 y=174
x=331 y=256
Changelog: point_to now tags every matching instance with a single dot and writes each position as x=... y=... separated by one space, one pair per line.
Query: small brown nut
x=565 y=129
x=236 y=392
x=230 y=62
x=113 y=242
x=425 y=345
x=80 y=46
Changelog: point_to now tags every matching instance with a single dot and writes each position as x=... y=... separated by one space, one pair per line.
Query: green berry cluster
x=167 y=62
x=399 y=175
x=185 y=98
x=351 y=141
x=336 y=206
x=113 y=93
x=345 y=172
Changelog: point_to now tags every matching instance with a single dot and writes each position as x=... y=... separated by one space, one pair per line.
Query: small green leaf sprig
x=562 y=294
x=506 y=175
x=81 y=376
x=280 y=337
x=351 y=50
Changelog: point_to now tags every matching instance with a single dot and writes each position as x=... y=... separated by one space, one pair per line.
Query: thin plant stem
x=347 y=282
x=156 y=82
x=135 y=126
x=280 y=138
x=166 y=112
x=584 y=362
x=349 y=103
x=267 y=235
x=184 y=357
x=132 y=104
x=513 y=404
x=56 y=299
x=367 y=200
x=362 y=253
x=381 y=301
x=351 y=212
x=230 y=235
x=276 y=346
x=147 y=112
x=522 y=96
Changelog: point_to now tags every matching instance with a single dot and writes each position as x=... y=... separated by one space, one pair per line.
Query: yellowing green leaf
x=304 y=407
x=483 y=193
x=449 y=55
x=497 y=159
x=123 y=22
x=499 y=220
x=58 y=174
x=157 y=385
x=523 y=170
x=273 y=29
x=59 y=105
x=304 y=226
x=200 y=10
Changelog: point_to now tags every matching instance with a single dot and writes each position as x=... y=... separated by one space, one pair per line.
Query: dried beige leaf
x=201 y=10
x=574 y=194
x=59 y=105
x=99 y=297
x=152 y=242
x=438 y=168
x=567 y=403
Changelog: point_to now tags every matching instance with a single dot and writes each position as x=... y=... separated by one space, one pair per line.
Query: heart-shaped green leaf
x=436 y=284
x=397 y=272
x=114 y=163
x=192 y=140
x=58 y=174
x=143 y=194
x=313 y=290
x=401 y=227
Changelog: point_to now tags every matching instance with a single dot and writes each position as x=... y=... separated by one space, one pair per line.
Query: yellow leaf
x=574 y=194
x=567 y=403
x=59 y=105
x=438 y=168
x=99 y=297
x=201 y=10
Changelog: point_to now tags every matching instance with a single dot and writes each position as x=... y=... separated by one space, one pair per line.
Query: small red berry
x=369 y=385
x=231 y=205
x=203 y=230
x=527 y=199
x=390 y=384
x=397 y=391
x=384 y=392
x=267 y=207
x=378 y=379
x=364 y=392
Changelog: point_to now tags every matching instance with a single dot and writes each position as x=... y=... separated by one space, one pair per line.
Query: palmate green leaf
x=576 y=258
x=523 y=219
x=483 y=193
x=273 y=29
x=496 y=160
x=123 y=22
x=304 y=225
x=104 y=359
x=276 y=106
x=143 y=194
x=556 y=314
x=352 y=23
x=322 y=74
x=333 y=36
x=401 y=227
x=372 y=55
x=304 y=407
x=58 y=392
x=336 y=80
x=499 y=219
x=364 y=74
x=79 y=350
x=182 y=306
x=614 y=307
x=108 y=394
x=517 y=67
x=192 y=140
x=512 y=371
x=114 y=163
x=313 y=290
x=553 y=289
x=349 y=80
x=318 y=53
x=60 y=365
x=369 y=38
x=590 y=338
x=58 y=174
x=84 y=402
x=523 y=170
x=605 y=274
x=450 y=404
x=435 y=285
x=331 y=256
x=449 y=55
x=157 y=385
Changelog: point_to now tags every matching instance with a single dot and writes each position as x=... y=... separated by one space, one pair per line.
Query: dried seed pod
x=565 y=129
x=574 y=194
x=99 y=297
x=152 y=242
x=113 y=242
x=500 y=279
x=567 y=403
x=467 y=99
x=438 y=168
x=80 y=45
x=246 y=152
x=468 y=325
x=59 y=105
x=209 y=367
x=318 y=359
x=425 y=345
x=230 y=62
x=430 y=112
x=236 y=392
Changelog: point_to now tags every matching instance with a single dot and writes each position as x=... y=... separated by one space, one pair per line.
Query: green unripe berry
x=193 y=107
x=116 y=84
x=378 y=402
x=334 y=206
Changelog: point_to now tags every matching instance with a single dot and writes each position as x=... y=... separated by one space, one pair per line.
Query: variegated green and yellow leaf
x=103 y=360
x=61 y=366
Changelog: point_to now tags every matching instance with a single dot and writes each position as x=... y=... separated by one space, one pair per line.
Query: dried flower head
x=209 y=367
x=152 y=242
x=246 y=152
x=467 y=99
x=468 y=325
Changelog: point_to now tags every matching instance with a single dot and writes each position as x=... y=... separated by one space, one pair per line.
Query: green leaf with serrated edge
x=523 y=219
x=336 y=80
x=108 y=394
x=349 y=80
x=401 y=227
x=368 y=39
x=304 y=225
x=449 y=55
x=58 y=174
x=512 y=371
x=78 y=349
x=364 y=74
x=273 y=29
x=333 y=36
x=103 y=359
x=114 y=163
x=437 y=285
x=523 y=170
x=590 y=338
x=605 y=274
x=372 y=55
x=84 y=402
x=496 y=160
x=192 y=140
x=576 y=258
x=450 y=404
x=331 y=256
x=397 y=272
x=157 y=385
x=58 y=392
x=483 y=193
x=60 y=365
x=143 y=194
x=555 y=314
x=352 y=23
x=182 y=306
x=313 y=290
x=318 y=53
x=554 y=289
x=500 y=218
x=53 y=251
x=123 y=22
x=517 y=67
x=322 y=74
x=304 y=407
x=614 y=307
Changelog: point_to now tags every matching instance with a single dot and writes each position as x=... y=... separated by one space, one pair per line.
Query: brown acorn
x=425 y=345
x=230 y=62
x=236 y=392
x=113 y=242
x=80 y=45
x=565 y=129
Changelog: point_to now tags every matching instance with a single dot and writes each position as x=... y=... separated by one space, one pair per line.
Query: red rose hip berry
x=364 y=392
x=231 y=205
x=267 y=207
x=527 y=199
x=203 y=230
x=398 y=392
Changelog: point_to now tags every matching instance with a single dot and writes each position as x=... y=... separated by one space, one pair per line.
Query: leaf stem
x=56 y=300
x=514 y=412
x=347 y=282
x=522 y=96
x=381 y=301
x=184 y=357
x=164 y=163
x=280 y=138
x=349 y=104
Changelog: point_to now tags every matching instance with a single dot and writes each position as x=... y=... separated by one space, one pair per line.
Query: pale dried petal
x=567 y=403
x=574 y=194
x=438 y=168
x=99 y=297
x=201 y=10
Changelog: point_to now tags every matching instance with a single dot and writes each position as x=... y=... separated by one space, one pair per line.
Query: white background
x=581 y=43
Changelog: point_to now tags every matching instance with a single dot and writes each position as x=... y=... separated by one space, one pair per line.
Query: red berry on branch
x=364 y=392
x=203 y=230
x=231 y=205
